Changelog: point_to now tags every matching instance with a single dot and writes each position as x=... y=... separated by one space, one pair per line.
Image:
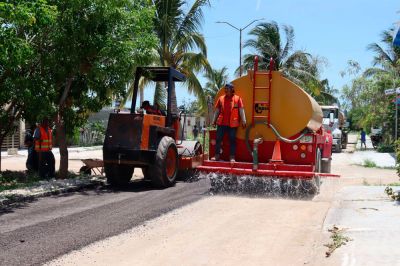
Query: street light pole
x=240 y=39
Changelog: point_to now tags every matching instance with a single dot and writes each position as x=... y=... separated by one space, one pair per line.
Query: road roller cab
x=147 y=141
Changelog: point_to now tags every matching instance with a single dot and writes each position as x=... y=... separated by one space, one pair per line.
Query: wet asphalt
x=35 y=232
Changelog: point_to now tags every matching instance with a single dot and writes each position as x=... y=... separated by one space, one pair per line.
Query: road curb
x=8 y=198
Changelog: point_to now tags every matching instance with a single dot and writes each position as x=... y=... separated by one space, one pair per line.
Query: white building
x=189 y=122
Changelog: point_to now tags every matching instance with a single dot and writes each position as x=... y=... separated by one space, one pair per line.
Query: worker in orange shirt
x=43 y=137
x=228 y=116
x=150 y=110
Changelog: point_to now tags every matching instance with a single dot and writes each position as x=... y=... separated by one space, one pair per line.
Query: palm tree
x=327 y=94
x=386 y=60
x=298 y=66
x=181 y=46
x=216 y=79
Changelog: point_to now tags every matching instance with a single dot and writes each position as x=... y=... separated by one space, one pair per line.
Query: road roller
x=283 y=150
x=147 y=141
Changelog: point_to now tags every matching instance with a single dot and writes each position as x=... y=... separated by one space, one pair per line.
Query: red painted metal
x=187 y=162
x=265 y=150
x=265 y=169
x=255 y=87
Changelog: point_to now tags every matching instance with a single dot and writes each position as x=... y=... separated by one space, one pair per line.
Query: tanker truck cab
x=148 y=141
x=332 y=124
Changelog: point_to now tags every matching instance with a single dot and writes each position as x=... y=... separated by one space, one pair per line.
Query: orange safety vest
x=45 y=143
x=234 y=119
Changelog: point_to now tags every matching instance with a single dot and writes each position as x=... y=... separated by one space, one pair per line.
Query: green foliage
x=96 y=46
x=92 y=134
x=23 y=39
x=181 y=45
x=64 y=59
x=386 y=148
x=397 y=144
x=369 y=163
x=216 y=79
x=365 y=97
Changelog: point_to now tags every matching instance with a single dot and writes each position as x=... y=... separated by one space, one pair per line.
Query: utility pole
x=240 y=40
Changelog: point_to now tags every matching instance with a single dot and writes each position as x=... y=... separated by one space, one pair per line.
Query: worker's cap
x=229 y=86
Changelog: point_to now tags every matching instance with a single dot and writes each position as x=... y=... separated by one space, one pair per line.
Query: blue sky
x=337 y=30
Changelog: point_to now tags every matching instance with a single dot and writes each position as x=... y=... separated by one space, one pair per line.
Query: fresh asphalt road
x=36 y=232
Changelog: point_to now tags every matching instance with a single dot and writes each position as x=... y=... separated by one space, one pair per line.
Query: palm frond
x=381 y=56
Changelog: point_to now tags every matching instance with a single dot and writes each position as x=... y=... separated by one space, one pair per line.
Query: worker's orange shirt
x=226 y=120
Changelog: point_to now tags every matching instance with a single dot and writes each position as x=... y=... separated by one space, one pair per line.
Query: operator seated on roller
x=150 y=110
x=228 y=115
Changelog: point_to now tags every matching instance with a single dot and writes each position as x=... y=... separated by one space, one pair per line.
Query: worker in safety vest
x=43 y=137
x=228 y=116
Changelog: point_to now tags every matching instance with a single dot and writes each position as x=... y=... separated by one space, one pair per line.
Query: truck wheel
x=118 y=174
x=326 y=165
x=318 y=161
x=165 y=169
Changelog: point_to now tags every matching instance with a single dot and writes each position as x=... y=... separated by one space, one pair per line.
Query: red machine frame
x=278 y=159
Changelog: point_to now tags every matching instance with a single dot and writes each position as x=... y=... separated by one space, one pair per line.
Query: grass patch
x=395 y=184
x=17 y=179
x=338 y=240
x=369 y=163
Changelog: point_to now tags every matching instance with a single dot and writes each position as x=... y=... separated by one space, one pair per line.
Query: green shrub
x=386 y=148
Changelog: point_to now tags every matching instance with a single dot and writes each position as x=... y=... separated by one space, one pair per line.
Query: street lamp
x=240 y=39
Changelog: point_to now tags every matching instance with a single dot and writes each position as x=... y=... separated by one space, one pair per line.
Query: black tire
x=326 y=166
x=85 y=170
x=118 y=174
x=165 y=169
x=318 y=161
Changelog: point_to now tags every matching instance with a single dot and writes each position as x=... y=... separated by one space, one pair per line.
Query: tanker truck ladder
x=260 y=106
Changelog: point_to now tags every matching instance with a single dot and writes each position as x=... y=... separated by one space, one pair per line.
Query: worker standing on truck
x=228 y=115
x=43 y=137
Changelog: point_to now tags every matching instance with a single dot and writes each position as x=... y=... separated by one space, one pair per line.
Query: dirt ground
x=221 y=230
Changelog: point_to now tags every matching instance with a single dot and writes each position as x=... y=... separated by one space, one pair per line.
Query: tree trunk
x=61 y=135
x=141 y=94
x=62 y=143
x=174 y=102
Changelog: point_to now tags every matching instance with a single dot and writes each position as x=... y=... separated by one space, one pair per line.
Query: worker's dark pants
x=32 y=163
x=221 y=130
x=46 y=164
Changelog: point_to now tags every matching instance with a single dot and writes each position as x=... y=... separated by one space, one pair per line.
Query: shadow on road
x=17 y=205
